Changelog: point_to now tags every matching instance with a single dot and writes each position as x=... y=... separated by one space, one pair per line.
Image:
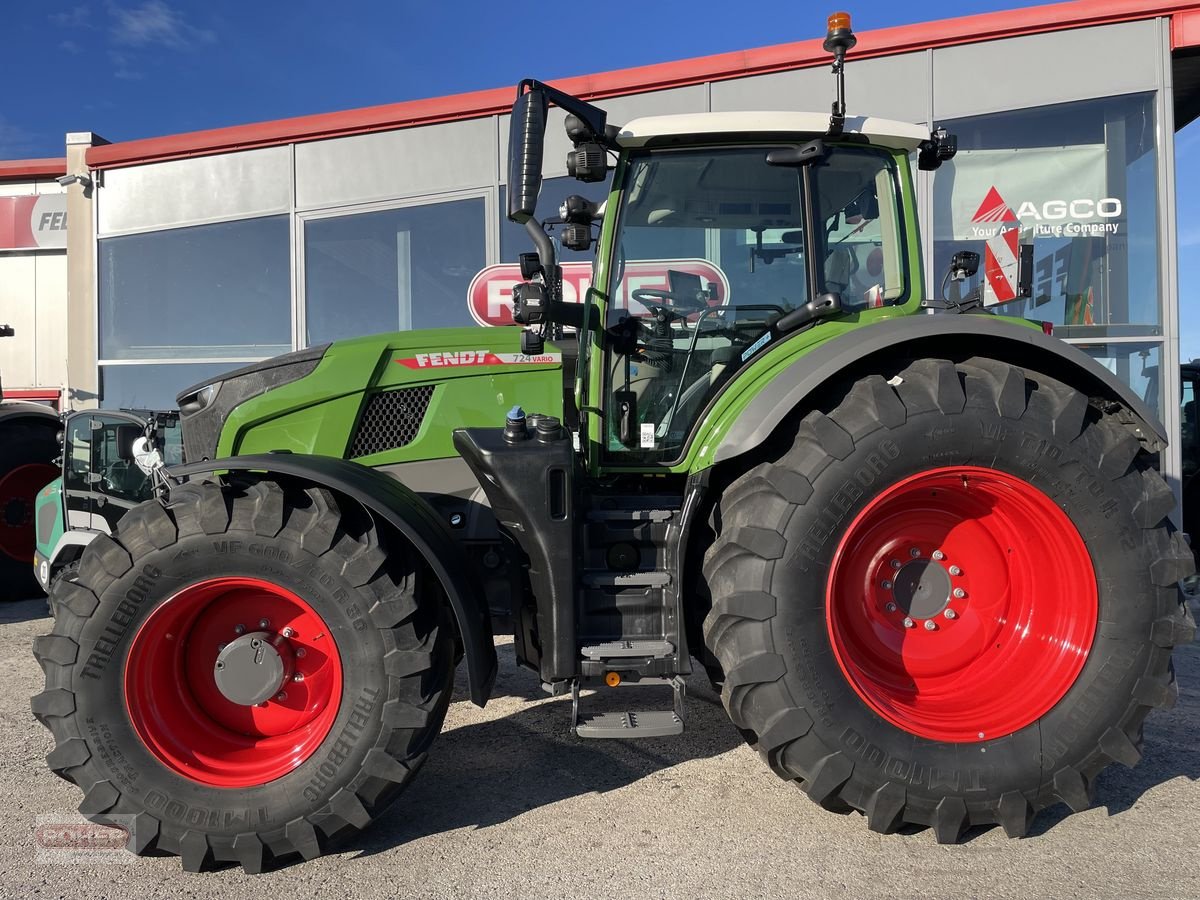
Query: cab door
x=100 y=480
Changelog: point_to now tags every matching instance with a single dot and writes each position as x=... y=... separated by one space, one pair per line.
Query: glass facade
x=392 y=269
x=153 y=385
x=210 y=291
x=1081 y=180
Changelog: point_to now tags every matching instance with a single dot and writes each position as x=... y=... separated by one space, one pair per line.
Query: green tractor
x=927 y=557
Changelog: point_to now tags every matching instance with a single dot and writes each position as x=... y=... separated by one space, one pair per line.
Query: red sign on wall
x=489 y=298
x=38 y=222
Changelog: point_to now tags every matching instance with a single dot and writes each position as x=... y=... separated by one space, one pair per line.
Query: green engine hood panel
x=473 y=375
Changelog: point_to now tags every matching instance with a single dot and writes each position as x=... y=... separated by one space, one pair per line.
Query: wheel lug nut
x=938 y=554
x=959 y=593
x=886 y=585
x=263 y=623
x=908 y=622
x=287 y=632
x=221 y=647
x=299 y=676
x=239 y=629
x=891 y=607
x=281 y=696
x=895 y=563
x=955 y=570
x=950 y=614
x=300 y=651
x=914 y=553
x=930 y=625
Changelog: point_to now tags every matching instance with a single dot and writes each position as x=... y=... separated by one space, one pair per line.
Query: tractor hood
x=381 y=399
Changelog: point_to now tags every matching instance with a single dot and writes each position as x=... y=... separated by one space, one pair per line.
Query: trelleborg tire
x=340 y=648
x=26 y=452
x=951 y=601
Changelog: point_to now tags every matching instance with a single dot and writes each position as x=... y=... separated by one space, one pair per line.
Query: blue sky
x=136 y=68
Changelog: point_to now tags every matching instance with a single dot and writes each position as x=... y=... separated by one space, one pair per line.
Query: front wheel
x=951 y=601
x=244 y=673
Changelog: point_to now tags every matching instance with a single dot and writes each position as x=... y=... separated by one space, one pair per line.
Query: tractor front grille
x=391 y=419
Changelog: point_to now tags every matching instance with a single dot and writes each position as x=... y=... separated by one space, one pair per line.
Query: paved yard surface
x=510 y=804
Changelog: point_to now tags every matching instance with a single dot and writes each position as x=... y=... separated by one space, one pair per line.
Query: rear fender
x=955 y=337
x=398 y=506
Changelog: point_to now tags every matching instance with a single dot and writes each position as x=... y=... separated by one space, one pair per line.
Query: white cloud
x=75 y=17
x=155 y=23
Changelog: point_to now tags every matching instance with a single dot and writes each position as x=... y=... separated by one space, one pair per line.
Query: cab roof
x=882 y=132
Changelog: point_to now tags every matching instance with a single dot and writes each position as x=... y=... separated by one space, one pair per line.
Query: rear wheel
x=951 y=601
x=26 y=451
x=245 y=673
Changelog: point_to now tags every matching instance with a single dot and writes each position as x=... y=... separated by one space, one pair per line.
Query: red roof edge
x=720 y=67
x=32 y=169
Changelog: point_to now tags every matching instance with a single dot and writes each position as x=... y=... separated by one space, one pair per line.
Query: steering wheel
x=652 y=297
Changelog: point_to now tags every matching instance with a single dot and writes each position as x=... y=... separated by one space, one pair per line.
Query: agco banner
x=489 y=298
x=33 y=223
x=1056 y=191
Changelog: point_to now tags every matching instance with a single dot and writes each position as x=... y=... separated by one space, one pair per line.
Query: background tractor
x=97 y=482
x=927 y=557
x=27 y=452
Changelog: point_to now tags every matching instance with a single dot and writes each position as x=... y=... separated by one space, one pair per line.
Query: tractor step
x=626 y=579
x=630 y=724
x=627 y=725
x=628 y=649
x=630 y=515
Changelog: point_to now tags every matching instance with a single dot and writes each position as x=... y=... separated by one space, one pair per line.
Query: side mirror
x=526 y=135
x=126 y=436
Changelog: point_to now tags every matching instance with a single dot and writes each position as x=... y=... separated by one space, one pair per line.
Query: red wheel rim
x=962 y=604
x=178 y=709
x=18 y=489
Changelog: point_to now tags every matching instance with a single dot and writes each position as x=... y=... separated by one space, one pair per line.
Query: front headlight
x=204 y=408
x=191 y=403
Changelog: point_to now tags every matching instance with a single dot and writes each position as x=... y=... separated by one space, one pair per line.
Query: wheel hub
x=961 y=604
x=252 y=668
x=922 y=589
x=225 y=706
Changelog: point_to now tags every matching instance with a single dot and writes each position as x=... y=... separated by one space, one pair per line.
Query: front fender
x=955 y=337
x=409 y=514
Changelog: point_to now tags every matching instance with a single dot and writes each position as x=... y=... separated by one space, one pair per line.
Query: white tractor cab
x=103 y=474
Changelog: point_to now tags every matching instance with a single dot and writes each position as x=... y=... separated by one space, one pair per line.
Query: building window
x=394 y=269
x=153 y=385
x=1082 y=179
x=220 y=291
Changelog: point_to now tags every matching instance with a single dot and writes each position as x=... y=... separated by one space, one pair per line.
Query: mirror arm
x=592 y=116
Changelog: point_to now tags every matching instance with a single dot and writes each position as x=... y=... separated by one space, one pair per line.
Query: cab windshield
x=712 y=247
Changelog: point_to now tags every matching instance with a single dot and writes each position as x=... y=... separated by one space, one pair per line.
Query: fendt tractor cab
x=923 y=549
x=98 y=481
x=27 y=451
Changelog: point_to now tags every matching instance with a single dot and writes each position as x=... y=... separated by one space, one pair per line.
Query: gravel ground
x=510 y=803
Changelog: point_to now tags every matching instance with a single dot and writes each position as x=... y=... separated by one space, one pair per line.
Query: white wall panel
x=192 y=191
x=620 y=110
x=392 y=164
x=50 y=272
x=18 y=293
x=1042 y=69
x=894 y=87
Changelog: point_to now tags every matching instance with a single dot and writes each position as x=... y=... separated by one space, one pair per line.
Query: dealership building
x=172 y=259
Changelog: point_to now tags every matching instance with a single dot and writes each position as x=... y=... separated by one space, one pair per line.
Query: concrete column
x=82 y=377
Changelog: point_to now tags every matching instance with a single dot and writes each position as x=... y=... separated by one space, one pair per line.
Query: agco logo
x=1051 y=218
